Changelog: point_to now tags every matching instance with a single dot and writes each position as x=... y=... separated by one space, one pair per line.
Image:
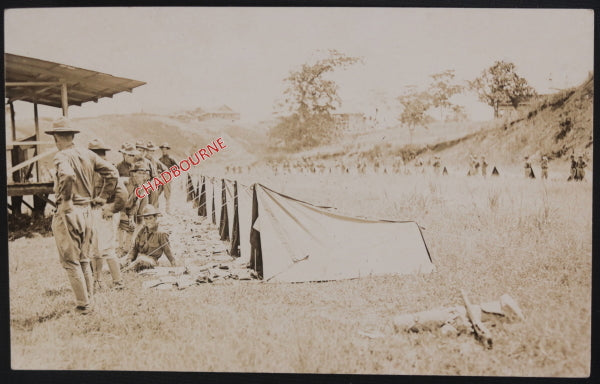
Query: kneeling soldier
x=149 y=244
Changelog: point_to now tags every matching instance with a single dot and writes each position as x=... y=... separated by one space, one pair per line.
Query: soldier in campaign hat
x=544 y=166
x=149 y=244
x=71 y=225
x=105 y=221
x=169 y=162
x=130 y=219
x=129 y=152
x=156 y=168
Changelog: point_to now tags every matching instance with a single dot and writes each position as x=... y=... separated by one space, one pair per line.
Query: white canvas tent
x=294 y=241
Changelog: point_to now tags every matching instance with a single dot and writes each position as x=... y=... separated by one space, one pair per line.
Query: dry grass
x=509 y=235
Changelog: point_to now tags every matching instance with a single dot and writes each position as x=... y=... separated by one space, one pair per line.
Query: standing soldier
x=580 y=173
x=73 y=188
x=573 y=168
x=169 y=162
x=471 y=171
x=544 y=166
x=134 y=205
x=104 y=224
x=147 y=149
x=436 y=165
x=484 y=166
x=528 y=170
x=128 y=150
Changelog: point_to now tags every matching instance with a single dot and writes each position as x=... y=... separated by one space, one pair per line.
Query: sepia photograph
x=382 y=191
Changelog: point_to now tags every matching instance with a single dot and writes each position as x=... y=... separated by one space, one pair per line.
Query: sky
x=206 y=57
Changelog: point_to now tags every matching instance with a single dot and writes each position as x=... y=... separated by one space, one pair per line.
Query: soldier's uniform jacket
x=168 y=161
x=123 y=167
x=134 y=205
x=544 y=164
x=152 y=244
x=118 y=196
x=156 y=167
x=79 y=166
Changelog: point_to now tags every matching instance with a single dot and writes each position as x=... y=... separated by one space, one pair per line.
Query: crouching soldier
x=104 y=216
x=149 y=244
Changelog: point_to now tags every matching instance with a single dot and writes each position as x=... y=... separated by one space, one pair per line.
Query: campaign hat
x=61 y=125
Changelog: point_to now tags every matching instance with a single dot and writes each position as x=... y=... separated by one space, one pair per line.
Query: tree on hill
x=441 y=89
x=501 y=84
x=415 y=105
x=310 y=98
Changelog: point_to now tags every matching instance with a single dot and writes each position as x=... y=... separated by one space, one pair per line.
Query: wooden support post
x=64 y=97
x=14 y=153
x=39 y=205
x=12 y=122
x=37 y=138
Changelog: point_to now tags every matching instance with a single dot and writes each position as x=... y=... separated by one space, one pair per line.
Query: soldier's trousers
x=167 y=193
x=153 y=197
x=104 y=244
x=125 y=233
x=73 y=236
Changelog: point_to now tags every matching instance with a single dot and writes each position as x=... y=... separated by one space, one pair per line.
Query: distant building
x=508 y=110
x=222 y=112
x=351 y=122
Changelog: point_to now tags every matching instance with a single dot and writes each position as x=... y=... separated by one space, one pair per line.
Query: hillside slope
x=556 y=126
x=185 y=137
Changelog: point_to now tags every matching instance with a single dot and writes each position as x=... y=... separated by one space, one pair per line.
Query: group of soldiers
x=475 y=164
x=96 y=207
x=577 y=172
x=577 y=168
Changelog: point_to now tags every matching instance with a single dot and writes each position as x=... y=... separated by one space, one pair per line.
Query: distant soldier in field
x=528 y=169
x=105 y=221
x=71 y=224
x=419 y=165
x=471 y=170
x=149 y=244
x=476 y=165
x=573 y=168
x=580 y=172
x=437 y=164
x=484 y=166
x=544 y=166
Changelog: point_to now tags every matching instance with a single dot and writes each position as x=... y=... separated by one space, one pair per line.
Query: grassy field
x=530 y=239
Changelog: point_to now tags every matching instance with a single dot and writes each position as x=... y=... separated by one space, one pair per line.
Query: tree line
x=310 y=99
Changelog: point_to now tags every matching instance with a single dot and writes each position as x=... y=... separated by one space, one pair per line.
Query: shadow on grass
x=28 y=323
x=20 y=225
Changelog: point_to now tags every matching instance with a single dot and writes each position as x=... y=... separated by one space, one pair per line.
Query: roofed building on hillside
x=350 y=122
x=222 y=112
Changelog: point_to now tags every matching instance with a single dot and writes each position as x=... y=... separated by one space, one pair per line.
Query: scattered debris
x=461 y=319
x=371 y=334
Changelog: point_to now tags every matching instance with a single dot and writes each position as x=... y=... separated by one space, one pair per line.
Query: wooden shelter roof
x=40 y=81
